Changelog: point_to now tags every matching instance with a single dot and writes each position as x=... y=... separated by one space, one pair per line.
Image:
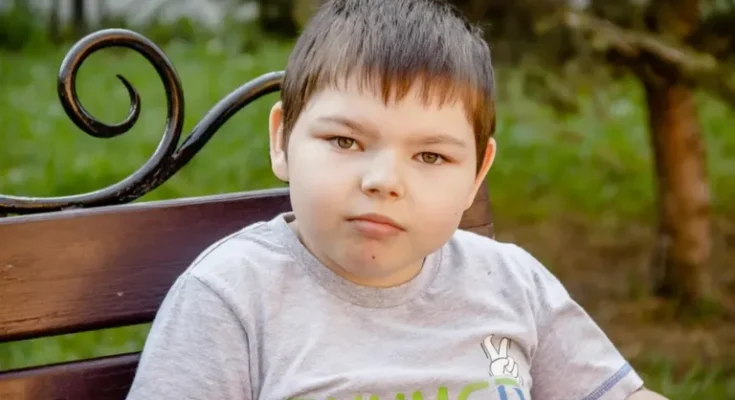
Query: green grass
x=45 y=154
x=594 y=164
x=703 y=381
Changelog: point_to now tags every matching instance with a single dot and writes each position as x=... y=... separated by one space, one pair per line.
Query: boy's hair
x=387 y=46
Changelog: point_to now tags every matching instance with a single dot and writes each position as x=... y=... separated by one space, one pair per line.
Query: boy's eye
x=431 y=158
x=343 y=142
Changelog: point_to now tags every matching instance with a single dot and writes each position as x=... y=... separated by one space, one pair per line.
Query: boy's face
x=375 y=188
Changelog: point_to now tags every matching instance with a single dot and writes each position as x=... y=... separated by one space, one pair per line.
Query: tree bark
x=680 y=264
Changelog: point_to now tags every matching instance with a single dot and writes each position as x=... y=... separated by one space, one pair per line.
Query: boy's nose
x=382 y=178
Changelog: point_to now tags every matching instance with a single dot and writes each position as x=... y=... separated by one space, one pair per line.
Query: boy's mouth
x=376 y=226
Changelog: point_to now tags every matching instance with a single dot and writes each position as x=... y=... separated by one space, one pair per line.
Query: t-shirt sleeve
x=196 y=349
x=574 y=359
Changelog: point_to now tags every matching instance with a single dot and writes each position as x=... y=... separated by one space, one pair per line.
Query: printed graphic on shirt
x=470 y=391
x=503 y=367
x=505 y=381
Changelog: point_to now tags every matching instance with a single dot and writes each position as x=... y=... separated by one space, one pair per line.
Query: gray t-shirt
x=256 y=316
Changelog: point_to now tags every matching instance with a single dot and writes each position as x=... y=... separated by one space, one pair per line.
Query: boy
x=368 y=290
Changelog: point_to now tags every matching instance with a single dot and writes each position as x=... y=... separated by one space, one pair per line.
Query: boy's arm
x=197 y=349
x=573 y=359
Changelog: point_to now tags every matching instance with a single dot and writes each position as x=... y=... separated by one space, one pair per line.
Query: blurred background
x=616 y=132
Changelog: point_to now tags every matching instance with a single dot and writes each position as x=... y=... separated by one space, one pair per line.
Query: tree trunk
x=54 y=23
x=79 y=18
x=276 y=17
x=680 y=267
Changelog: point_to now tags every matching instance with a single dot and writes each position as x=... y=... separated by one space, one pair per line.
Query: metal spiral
x=167 y=158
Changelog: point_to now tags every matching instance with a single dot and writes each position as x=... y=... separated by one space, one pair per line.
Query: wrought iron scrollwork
x=167 y=158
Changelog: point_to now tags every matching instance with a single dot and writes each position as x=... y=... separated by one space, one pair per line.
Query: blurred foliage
x=537 y=34
x=19 y=27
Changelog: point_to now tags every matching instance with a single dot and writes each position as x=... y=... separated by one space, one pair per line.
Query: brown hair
x=388 y=46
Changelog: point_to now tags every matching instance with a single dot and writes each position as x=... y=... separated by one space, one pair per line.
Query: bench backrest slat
x=100 y=268
x=101 y=379
x=80 y=270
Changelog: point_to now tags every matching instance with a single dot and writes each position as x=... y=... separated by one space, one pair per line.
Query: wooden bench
x=98 y=260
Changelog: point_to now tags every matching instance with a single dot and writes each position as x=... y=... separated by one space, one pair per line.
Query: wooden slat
x=90 y=269
x=102 y=379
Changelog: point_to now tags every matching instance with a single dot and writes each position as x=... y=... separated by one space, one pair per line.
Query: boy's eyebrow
x=349 y=123
x=441 y=138
x=433 y=138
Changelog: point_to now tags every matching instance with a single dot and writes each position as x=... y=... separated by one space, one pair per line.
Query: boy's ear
x=487 y=162
x=279 y=163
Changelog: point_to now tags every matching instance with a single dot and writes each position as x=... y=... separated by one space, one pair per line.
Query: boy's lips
x=377 y=219
x=376 y=226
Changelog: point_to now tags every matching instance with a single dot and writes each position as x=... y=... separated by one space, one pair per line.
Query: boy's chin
x=381 y=271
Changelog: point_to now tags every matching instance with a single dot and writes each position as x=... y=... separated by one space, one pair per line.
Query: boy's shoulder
x=252 y=255
x=490 y=256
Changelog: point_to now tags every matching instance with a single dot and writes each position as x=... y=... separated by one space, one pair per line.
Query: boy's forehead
x=350 y=93
x=338 y=105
